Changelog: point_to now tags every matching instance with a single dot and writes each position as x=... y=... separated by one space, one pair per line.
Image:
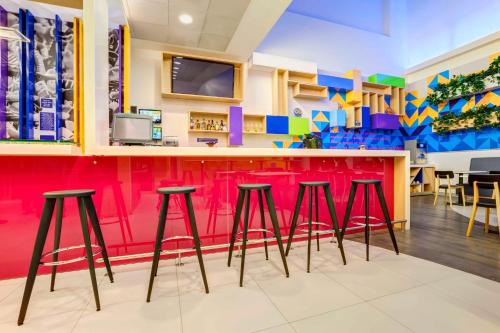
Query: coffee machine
x=418 y=151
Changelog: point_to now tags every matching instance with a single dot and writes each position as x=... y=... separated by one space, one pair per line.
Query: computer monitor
x=155 y=114
x=132 y=128
x=157 y=133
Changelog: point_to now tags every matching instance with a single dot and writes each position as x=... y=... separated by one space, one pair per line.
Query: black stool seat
x=165 y=192
x=55 y=199
x=254 y=186
x=68 y=194
x=366 y=181
x=318 y=183
x=383 y=205
x=176 y=190
x=313 y=187
x=244 y=193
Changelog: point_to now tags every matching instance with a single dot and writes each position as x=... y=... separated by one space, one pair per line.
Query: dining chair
x=447 y=186
x=485 y=183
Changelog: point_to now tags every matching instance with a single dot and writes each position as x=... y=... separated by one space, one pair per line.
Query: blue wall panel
x=277 y=124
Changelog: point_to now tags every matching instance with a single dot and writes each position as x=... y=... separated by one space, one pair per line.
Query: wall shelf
x=302 y=77
x=309 y=91
x=254 y=124
x=199 y=116
x=376 y=88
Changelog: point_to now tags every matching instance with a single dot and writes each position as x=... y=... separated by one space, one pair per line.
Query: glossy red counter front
x=127 y=203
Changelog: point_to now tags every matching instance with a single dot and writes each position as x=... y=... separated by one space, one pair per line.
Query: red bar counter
x=126 y=179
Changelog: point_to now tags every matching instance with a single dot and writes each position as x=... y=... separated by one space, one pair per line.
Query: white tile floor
x=388 y=294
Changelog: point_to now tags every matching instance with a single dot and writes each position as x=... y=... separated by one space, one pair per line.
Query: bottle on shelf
x=198 y=126
x=191 y=123
x=216 y=126
x=223 y=126
x=203 y=125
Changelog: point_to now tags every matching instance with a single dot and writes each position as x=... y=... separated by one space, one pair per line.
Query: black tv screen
x=202 y=77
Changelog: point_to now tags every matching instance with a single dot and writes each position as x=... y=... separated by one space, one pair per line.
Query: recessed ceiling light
x=177 y=62
x=186 y=19
x=176 y=68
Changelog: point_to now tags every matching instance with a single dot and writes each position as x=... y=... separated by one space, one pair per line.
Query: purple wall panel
x=3 y=77
x=384 y=121
x=235 y=126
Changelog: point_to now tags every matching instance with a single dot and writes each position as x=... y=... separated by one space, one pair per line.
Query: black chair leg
x=196 y=238
x=89 y=204
x=333 y=216
x=88 y=250
x=277 y=233
x=158 y=242
x=383 y=205
x=57 y=240
x=245 y=234
x=237 y=216
x=367 y=224
x=263 y=222
x=309 y=229
x=316 y=205
x=43 y=228
x=296 y=212
x=348 y=209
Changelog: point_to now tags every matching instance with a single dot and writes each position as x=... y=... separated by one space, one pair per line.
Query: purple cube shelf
x=235 y=126
x=385 y=121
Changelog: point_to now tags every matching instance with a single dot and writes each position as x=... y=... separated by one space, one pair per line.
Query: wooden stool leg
x=237 y=216
x=277 y=233
x=383 y=205
x=41 y=236
x=348 y=209
x=89 y=204
x=309 y=229
x=463 y=196
x=159 y=237
x=296 y=213
x=471 y=219
x=88 y=250
x=333 y=216
x=57 y=240
x=487 y=221
x=445 y=197
x=367 y=223
x=245 y=234
x=316 y=205
x=263 y=222
x=436 y=194
x=449 y=196
x=196 y=238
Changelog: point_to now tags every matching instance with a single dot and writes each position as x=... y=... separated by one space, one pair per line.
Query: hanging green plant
x=462 y=85
x=477 y=118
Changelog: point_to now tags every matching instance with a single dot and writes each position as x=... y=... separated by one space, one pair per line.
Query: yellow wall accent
x=126 y=68
x=80 y=84
x=76 y=80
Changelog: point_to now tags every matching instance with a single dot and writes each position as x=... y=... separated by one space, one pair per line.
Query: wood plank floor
x=438 y=234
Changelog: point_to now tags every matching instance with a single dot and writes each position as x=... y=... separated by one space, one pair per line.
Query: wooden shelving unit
x=377 y=88
x=354 y=115
x=308 y=90
x=302 y=77
x=254 y=124
x=280 y=92
x=421 y=179
x=398 y=100
x=208 y=116
x=166 y=79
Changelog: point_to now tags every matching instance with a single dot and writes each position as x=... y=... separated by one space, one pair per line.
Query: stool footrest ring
x=69 y=261
x=362 y=217
x=257 y=230
x=316 y=232
x=313 y=223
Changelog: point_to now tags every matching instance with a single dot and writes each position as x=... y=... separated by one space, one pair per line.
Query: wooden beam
x=78 y=4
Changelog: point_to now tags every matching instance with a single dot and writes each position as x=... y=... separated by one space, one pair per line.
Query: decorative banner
x=67 y=125
x=20 y=64
x=120 y=69
x=126 y=68
x=114 y=73
x=29 y=107
x=59 y=91
x=3 y=77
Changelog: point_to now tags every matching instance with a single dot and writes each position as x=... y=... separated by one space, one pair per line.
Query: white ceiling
x=214 y=21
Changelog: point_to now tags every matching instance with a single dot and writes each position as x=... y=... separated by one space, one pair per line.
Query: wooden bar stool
x=387 y=220
x=485 y=183
x=313 y=186
x=166 y=192
x=245 y=190
x=448 y=187
x=85 y=206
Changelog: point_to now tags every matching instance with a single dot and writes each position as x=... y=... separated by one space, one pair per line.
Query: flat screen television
x=202 y=77
x=153 y=113
x=132 y=128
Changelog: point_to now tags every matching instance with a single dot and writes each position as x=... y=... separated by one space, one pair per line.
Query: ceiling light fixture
x=185 y=19
x=13 y=34
x=177 y=62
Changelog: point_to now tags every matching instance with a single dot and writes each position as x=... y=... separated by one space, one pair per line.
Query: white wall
x=439 y=26
x=459 y=160
x=339 y=48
